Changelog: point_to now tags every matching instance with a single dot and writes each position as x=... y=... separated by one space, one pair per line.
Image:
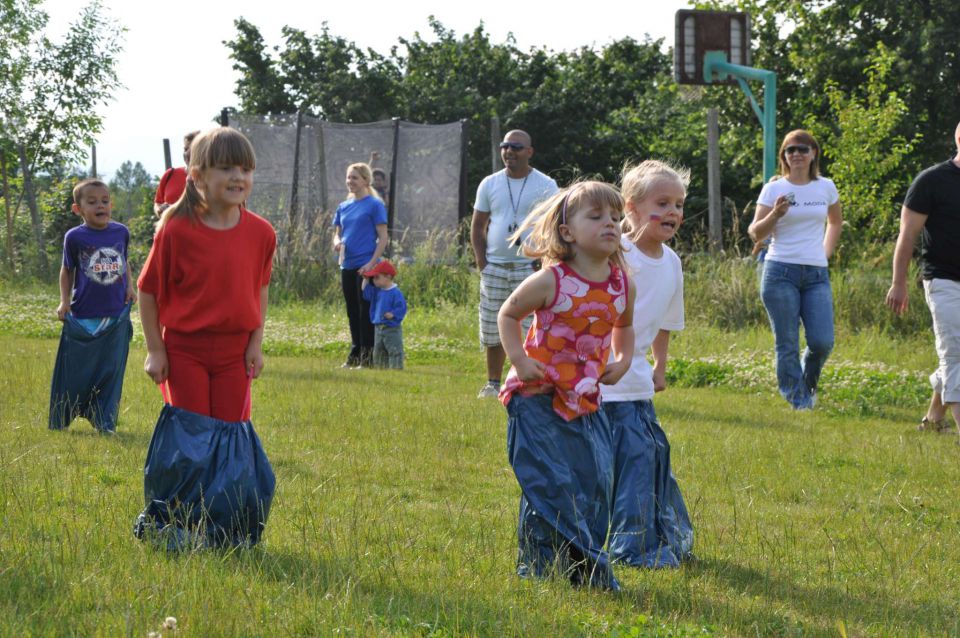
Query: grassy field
x=395 y=506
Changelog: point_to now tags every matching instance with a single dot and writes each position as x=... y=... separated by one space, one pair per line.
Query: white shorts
x=497 y=281
x=943 y=299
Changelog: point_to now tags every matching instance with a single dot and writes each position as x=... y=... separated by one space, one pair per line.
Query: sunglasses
x=803 y=149
x=515 y=146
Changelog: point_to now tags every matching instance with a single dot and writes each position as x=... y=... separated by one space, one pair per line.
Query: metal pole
x=715 y=233
x=769 y=126
x=294 y=188
x=93 y=161
x=463 y=209
x=167 y=158
x=224 y=117
x=391 y=210
x=494 y=144
x=716 y=67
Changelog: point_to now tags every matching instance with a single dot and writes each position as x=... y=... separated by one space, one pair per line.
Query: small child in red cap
x=387 y=310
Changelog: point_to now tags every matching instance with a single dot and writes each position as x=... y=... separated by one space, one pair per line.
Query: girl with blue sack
x=650 y=526
x=559 y=441
x=203 y=304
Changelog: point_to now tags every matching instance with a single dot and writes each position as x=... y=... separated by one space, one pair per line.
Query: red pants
x=208 y=374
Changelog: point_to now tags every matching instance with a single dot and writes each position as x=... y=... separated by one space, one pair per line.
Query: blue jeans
x=793 y=293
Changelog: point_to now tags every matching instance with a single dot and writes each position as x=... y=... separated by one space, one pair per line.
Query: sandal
x=939 y=427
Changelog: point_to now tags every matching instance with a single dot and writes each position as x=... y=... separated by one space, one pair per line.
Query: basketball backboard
x=698 y=32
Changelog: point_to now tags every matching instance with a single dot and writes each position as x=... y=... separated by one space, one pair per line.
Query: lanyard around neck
x=515 y=205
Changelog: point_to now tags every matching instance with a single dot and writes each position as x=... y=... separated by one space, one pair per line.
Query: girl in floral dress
x=559 y=442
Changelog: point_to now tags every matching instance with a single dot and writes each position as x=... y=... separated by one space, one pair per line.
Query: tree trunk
x=34 y=212
x=6 y=205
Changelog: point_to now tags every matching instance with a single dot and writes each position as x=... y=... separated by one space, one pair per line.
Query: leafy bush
x=867 y=155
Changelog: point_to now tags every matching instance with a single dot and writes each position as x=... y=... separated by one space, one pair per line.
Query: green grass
x=395 y=510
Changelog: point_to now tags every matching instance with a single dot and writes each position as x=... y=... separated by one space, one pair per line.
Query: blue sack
x=206 y=482
x=88 y=375
x=565 y=472
x=650 y=525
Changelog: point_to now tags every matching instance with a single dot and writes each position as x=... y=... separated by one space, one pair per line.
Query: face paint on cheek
x=654 y=217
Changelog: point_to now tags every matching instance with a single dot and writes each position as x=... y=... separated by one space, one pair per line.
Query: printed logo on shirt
x=105 y=266
x=815 y=203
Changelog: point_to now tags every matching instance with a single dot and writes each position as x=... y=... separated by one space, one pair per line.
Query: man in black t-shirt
x=932 y=207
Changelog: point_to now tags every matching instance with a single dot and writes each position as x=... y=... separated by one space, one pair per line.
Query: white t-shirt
x=494 y=197
x=659 y=306
x=798 y=236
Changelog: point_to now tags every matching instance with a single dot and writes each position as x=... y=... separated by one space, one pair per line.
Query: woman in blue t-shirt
x=360 y=237
x=800 y=211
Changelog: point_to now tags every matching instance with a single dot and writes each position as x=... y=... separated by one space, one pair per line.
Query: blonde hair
x=545 y=241
x=222 y=146
x=802 y=136
x=366 y=174
x=637 y=180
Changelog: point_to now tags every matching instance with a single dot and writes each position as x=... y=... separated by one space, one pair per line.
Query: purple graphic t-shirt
x=99 y=258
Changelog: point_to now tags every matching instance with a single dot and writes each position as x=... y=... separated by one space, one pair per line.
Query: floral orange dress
x=571 y=337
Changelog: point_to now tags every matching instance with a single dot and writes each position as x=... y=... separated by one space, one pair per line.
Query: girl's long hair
x=366 y=174
x=222 y=146
x=545 y=241
x=636 y=181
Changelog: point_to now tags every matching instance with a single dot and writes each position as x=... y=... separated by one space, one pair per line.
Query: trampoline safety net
x=298 y=186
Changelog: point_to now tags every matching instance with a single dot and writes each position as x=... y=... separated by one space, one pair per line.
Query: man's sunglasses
x=800 y=148
x=514 y=146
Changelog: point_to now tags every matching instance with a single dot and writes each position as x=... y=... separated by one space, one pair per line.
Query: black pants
x=358 y=313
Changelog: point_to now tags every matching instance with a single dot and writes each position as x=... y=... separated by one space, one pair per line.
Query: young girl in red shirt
x=203 y=289
x=559 y=441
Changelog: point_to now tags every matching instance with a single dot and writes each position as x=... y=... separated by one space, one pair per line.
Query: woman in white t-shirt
x=800 y=211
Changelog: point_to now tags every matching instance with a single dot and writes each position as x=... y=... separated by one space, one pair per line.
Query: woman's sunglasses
x=799 y=148
x=515 y=146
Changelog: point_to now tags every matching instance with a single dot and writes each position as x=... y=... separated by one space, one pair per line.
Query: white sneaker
x=491 y=389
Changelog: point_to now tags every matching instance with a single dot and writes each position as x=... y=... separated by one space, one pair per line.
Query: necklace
x=516 y=205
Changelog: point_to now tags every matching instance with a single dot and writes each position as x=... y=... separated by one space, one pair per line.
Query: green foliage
x=51 y=91
x=132 y=190
x=326 y=76
x=725 y=293
x=722 y=292
x=49 y=97
x=870 y=77
x=867 y=155
x=587 y=110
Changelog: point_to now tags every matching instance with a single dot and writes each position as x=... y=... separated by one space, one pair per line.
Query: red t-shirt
x=172 y=183
x=206 y=279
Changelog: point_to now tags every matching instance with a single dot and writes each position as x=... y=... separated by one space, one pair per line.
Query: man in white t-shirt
x=504 y=200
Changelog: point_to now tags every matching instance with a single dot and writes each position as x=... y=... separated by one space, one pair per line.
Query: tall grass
x=725 y=292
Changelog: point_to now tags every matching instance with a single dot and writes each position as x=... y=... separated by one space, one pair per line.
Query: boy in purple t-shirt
x=95 y=291
x=94 y=282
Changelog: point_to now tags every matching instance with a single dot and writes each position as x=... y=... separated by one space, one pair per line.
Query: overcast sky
x=177 y=74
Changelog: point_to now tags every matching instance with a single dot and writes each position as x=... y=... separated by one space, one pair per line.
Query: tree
x=132 y=189
x=49 y=92
x=325 y=76
x=868 y=152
